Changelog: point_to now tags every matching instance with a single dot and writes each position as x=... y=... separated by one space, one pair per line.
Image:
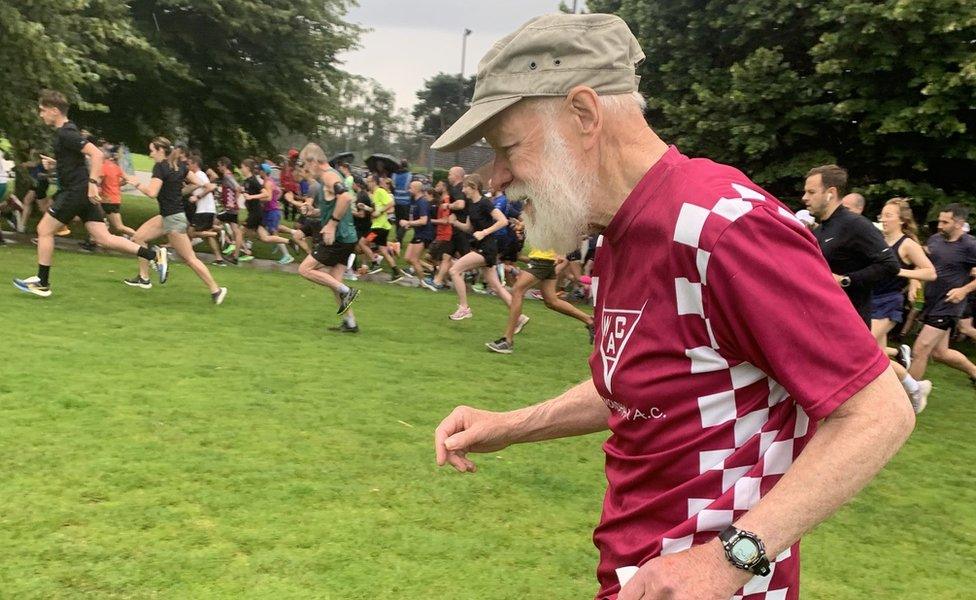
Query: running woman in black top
x=483 y=220
x=900 y=231
x=78 y=195
x=169 y=175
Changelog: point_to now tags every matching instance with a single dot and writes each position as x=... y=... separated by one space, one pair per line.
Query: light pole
x=464 y=50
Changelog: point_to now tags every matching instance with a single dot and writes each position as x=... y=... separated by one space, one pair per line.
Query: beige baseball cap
x=548 y=56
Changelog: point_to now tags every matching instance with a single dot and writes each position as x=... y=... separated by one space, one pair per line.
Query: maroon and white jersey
x=722 y=339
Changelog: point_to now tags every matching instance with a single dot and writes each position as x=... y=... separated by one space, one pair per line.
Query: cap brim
x=467 y=129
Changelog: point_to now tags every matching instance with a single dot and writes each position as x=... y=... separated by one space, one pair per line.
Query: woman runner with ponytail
x=168 y=177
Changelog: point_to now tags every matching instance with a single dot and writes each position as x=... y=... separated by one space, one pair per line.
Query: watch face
x=745 y=551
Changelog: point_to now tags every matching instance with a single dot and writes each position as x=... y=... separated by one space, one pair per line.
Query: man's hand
x=469 y=430
x=404 y=223
x=479 y=235
x=328 y=233
x=93 y=194
x=700 y=573
x=48 y=163
x=956 y=295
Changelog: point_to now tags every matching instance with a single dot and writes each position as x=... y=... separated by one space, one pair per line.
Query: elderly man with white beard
x=710 y=299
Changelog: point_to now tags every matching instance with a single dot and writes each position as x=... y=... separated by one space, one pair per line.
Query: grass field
x=156 y=446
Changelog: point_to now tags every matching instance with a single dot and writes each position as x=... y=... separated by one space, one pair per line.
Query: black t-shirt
x=72 y=168
x=252 y=187
x=366 y=222
x=170 y=195
x=481 y=214
x=953 y=261
x=855 y=248
x=457 y=193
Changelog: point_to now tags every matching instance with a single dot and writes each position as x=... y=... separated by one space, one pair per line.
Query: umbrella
x=341 y=157
x=384 y=163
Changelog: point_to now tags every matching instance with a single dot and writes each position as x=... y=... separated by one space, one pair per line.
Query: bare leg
x=148 y=231
x=115 y=220
x=524 y=282
x=925 y=344
x=413 y=257
x=880 y=329
x=444 y=270
x=554 y=302
x=266 y=237
x=181 y=243
x=100 y=235
x=954 y=358
x=966 y=328
x=471 y=260
x=313 y=270
x=491 y=278
x=45 y=238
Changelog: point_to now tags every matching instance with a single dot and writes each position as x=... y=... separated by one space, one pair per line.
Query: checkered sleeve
x=771 y=301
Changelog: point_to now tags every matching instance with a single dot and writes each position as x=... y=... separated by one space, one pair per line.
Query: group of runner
x=454 y=231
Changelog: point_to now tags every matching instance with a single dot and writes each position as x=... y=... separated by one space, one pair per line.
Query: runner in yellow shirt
x=542 y=271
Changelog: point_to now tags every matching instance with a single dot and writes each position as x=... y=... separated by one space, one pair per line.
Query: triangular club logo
x=616 y=327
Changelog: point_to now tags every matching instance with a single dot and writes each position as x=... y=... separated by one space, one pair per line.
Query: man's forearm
x=852 y=445
x=578 y=411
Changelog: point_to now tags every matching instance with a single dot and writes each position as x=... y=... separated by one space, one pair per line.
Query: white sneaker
x=920 y=398
x=522 y=321
x=287 y=259
x=196 y=241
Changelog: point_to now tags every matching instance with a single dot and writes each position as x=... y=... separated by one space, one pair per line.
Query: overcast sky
x=412 y=40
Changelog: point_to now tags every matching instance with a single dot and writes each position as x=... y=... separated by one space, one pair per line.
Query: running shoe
x=230 y=249
x=344 y=328
x=920 y=398
x=218 y=263
x=196 y=241
x=461 y=313
x=350 y=276
x=501 y=346
x=162 y=264
x=218 y=296
x=231 y=260
x=138 y=282
x=904 y=356
x=479 y=288
x=535 y=295
x=64 y=232
x=428 y=282
x=375 y=270
x=398 y=277
x=523 y=320
x=88 y=246
x=287 y=259
x=32 y=285
x=245 y=258
x=346 y=300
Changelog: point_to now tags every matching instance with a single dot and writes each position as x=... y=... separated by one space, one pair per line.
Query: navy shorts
x=272 y=218
x=888 y=306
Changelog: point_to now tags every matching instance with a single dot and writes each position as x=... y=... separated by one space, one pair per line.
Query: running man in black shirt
x=953 y=253
x=78 y=195
x=855 y=250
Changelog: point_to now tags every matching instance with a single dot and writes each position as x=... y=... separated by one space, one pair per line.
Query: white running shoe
x=920 y=398
x=522 y=322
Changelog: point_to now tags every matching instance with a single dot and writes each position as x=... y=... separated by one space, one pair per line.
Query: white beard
x=559 y=201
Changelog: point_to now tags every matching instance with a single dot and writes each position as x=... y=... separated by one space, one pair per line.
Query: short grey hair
x=613 y=103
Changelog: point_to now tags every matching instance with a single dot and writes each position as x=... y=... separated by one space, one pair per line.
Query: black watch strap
x=730 y=536
x=335 y=219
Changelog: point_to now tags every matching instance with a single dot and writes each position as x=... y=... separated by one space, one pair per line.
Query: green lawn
x=156 y=446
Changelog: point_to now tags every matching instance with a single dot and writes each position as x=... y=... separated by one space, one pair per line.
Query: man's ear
x=584 y=105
